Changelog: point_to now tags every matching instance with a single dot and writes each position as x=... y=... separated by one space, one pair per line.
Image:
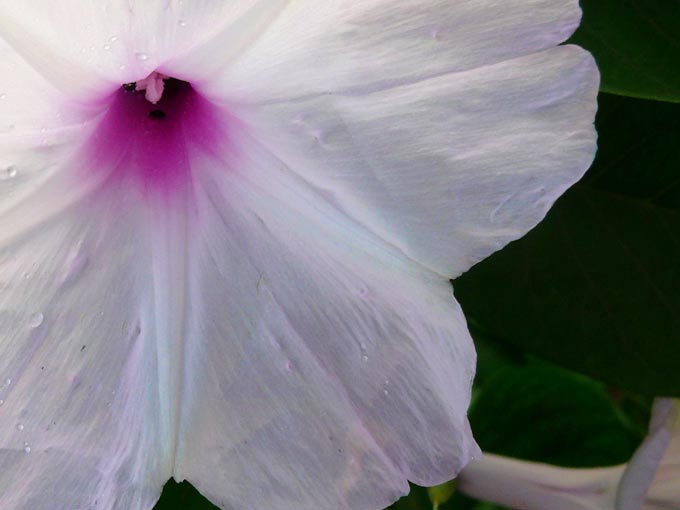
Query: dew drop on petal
x=1 y=401
x=8 y=381
x=142 y=56
x=27 y=449
x=113 y=38
x=182 y=23
x=107 y=47
x=20 y=426
x=364 y=358
x=8 y=172
x=3 y=96
x=36 y=320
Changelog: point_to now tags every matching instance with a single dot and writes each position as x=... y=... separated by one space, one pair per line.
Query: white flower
x=247 y=284
x=650 y=481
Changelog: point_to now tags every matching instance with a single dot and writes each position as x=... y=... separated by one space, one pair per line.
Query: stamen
x=153 y=85
x=145 y=144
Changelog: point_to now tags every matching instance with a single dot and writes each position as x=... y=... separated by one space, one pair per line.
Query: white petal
x=652 y=478
x=243 y=24
x=523 y=485
x=88 y=47
x=357 y=46
x=448 y=169
x=85 y=421
x=323 y=368
x=41 y=129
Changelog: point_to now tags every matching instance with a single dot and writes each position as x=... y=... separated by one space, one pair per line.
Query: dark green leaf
x=536 y=411
x=596 y=286
x=543 y=413
x=182 y=496
x=636 y=44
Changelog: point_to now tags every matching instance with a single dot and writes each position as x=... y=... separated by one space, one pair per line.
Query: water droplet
x=182 y=23
x=3 y=96
x=27 y=449
x=8 y=381
x=36 y=320
x=8 y=172
x=386 y=392
x=113 y=38
x=142 y=56
x=1 y=401
x=20 y=426
x=364 y=357
x=107 y=47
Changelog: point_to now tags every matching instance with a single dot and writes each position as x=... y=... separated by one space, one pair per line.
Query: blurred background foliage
x=577 y=324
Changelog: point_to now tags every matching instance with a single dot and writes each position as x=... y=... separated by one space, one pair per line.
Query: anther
x=153 y=86
x=129 y=86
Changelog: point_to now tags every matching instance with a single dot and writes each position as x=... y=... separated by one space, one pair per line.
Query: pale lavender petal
x=41 y=128
x=89 y=47
x=448 y=169
x=83 y=420
x=350 y=46
x=324 y=369
x=655 y=467
x=523 y=485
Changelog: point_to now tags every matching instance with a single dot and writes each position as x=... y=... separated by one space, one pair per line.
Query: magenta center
x=150 y=144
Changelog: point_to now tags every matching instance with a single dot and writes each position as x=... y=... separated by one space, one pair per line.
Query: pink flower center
x=149 y=131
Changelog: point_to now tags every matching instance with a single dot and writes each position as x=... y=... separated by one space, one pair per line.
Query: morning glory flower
x=649 y=481
x=227 y=231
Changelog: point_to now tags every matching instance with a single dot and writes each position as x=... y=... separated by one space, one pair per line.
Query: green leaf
x=182 y=496
x=533 y=410
x=536 y=411
x=636 y=44
x=596 y=286
x=543 y=413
